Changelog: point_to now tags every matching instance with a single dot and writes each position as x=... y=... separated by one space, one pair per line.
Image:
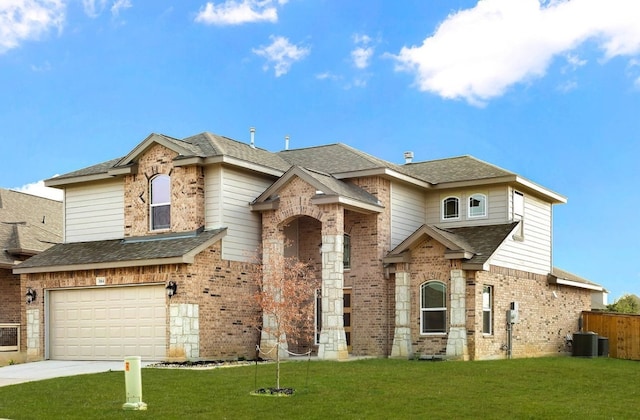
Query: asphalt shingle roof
x=28 y=223
x=116 y=250
x=483 y=240
x=461 y=168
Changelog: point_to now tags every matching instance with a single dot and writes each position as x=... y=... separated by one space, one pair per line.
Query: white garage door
x=108 y=323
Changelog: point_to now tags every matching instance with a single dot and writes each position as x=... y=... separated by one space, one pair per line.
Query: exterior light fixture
x=31 y=295
x=172 y=288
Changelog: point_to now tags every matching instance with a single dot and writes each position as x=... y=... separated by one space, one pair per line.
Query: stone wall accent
x=184 y=331
x=333 y=342
x=187 y=193
x=402 y=333
x=34 y=338
x=457 y=340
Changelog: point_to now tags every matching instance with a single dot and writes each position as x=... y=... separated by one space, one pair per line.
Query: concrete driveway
x=47 y=369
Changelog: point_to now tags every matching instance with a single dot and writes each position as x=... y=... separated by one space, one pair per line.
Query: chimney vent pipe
x=286 y=142
x=408 y=157
x=252 y=130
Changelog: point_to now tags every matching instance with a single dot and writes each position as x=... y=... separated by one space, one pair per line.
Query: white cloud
x=478 y=53
x=361 y=55
x=93 y=8
x=120 y=5
x=233 y=12
x=38 y=188
x=327 y=76
x=282 y=54
x=22 y=20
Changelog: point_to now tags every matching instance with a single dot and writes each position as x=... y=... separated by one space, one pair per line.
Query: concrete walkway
x=47 y=369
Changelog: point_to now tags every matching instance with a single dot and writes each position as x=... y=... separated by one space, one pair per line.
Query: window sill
x=444 y=334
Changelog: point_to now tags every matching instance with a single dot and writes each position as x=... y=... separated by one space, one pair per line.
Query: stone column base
x=333 y=344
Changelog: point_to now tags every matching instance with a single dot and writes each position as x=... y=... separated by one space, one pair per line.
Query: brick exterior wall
x=187 y=193
x=228 y=319
x=545 y=319
x=428 y=263
x=11 y=297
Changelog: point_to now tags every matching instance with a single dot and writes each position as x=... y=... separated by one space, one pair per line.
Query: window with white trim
x=477 y=205
x=450 y=208
x=160 y=206
x=487 y=310
x=433 y=308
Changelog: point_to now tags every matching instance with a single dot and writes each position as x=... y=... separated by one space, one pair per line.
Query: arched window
x=451 y=208
x=433 y=308
x=160 y=207
x=477 y=205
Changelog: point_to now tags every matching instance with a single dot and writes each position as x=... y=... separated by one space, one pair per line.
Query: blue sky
x=547 y=89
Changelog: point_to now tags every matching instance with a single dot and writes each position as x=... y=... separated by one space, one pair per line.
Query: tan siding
x=212 y=194
x=228 y=194
x=534 y=252
x=94 y=212
x=497 y=207
x=408 y=210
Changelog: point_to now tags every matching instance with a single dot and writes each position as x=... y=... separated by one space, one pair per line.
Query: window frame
x=346 y=251
x=153 y=205
x=426 y=309
x=443 y=206
x=482 y=198
x=487 y=309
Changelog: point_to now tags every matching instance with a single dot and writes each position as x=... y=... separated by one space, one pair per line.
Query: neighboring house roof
x=473 y=244
x=28 y=225
x=565 y=278
x=175 y=248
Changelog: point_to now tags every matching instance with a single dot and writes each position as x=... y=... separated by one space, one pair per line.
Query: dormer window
x=451 y=208
x=477 y=205
x=160 y=207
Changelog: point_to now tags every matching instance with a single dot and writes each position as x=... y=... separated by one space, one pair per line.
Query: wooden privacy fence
x=622 y=330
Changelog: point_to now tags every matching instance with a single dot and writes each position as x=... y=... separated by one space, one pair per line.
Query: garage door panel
x=108 y=323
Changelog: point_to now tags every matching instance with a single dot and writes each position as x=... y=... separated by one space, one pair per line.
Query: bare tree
x=286 y=289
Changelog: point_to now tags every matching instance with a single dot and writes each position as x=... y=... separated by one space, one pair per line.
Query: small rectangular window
x=487 y=310
x=346 y=256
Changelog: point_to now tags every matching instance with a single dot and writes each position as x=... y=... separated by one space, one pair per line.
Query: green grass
x=546 y=388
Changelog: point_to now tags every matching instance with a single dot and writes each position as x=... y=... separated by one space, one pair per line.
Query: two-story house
x=448 y=258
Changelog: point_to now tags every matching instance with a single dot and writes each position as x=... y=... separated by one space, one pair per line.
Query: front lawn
x=567 y=388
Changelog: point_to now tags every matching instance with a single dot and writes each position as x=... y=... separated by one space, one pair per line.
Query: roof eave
x=347 y=202
x=241 y=163
x=385 y=172
x=56 y=182
x=571 y=283
x=183 y=259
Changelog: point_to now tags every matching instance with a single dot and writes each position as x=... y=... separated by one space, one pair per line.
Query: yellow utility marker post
x=133 y=384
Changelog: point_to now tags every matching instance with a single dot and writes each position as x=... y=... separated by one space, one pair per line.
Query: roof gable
x=328 y=190
x=474 y=244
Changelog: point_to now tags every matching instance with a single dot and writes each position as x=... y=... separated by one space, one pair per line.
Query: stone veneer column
x=268 y=341
x=333 y=341
x=402 y=333
x=457 y=339
x=184 y=331
x=33 y=334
